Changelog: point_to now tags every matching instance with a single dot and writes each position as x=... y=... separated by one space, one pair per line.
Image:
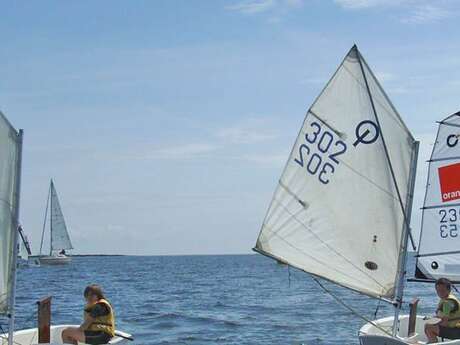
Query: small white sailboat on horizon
x=341 y=210
x=59 y=235
x=10 y=186
x=25 y=257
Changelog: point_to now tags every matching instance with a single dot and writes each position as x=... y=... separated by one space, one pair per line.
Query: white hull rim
x=30 y=336
x=55 y=260
x=369 y=334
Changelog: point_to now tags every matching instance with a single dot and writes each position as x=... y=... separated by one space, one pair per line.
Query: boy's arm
x=447 y=308
x=86 y=323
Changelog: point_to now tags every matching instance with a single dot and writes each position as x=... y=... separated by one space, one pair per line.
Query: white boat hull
x=369 y=334
x=55 y=260
x=30 y=336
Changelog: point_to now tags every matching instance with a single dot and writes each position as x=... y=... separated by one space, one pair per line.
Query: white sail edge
x=438 y=255
x=10 y=157
x=10 y=176
x=298 y=200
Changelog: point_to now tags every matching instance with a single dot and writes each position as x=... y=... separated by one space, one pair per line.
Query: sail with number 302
x=438 y=251
x=342 y=205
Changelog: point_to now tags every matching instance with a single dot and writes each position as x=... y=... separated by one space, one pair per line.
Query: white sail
x=440 y=234
x=10 y=143
x=336 y=212
x=59 y=236
x=22 y=252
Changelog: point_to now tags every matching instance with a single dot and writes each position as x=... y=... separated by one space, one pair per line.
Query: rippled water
x=240 y=299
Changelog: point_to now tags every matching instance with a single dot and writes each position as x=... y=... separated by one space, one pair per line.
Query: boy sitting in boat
x=448 y=311
x=98 y=326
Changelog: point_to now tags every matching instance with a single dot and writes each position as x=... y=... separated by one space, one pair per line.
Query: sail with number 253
x=438 y=250
x=341 y=208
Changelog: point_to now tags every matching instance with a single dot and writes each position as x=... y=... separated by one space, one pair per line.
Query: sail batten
x=438 y=254
x=438 y=206
x=339 y=209
x=444 y=159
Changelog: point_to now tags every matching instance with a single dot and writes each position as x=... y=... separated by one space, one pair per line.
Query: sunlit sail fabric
x=9 y=177
x=59 y=236
x=335 y=212
x=441 y=210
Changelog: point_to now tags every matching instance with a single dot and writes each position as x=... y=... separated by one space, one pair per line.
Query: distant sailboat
x=60 y=239
x=25 y=257
x=10 y=181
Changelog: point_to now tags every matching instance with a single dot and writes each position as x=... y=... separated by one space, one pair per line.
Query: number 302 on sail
x=319 y=153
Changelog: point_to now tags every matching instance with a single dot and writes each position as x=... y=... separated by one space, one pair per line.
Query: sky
x=166 y=124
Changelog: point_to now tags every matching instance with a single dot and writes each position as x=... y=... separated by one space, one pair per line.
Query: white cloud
x=259 y=6
x=251 y=7
x=401 y=90
x=415 y=11
x=385 y=77
x=359 y=4
x=294 y=3
x=270 y=159
x=244 y=136
x=185 y=151
x=248 y=132
x=426 y=14
x=313 y=80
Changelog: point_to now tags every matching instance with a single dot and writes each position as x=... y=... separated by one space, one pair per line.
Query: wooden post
x=412 y=317
x=44 y=320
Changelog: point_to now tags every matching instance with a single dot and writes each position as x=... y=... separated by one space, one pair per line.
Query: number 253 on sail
x=320 y=152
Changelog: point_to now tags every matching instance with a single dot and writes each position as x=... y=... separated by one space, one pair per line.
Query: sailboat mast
x=390 y=165
x=15 y=240
x=406 y=209
x=44 y=220
x=405 y=239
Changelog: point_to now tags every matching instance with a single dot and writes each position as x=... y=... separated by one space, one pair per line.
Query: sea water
x=228 y=299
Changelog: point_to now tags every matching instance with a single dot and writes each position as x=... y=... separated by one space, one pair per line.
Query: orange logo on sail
x=449 y=179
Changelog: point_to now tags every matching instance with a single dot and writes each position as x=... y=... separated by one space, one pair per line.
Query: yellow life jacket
x=454 y=315
x=105 y=323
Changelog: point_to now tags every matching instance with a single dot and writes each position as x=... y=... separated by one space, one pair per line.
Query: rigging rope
x=353 y=311
x=289 y=275
x=6 y=337
x=377 y=309
x=31 y=317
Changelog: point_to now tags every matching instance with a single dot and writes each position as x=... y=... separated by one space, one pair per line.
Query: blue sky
x=166 y=124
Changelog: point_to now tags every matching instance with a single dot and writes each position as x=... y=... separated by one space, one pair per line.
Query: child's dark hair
x=444 y=282
x=94 y=289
